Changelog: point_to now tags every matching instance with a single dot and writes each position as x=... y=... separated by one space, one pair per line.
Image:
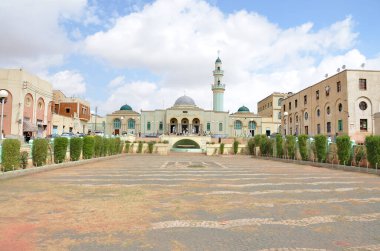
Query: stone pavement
x=190 y=202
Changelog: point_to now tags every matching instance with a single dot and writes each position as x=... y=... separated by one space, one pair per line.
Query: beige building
x=97 y=123
x=28 y=107
x=341 y=104
x=270 y=107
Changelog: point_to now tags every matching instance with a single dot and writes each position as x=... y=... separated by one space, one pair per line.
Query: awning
x=29 y=127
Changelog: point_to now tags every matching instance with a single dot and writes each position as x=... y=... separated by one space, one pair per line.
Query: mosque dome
x=218 y=60
x=184 y=100
x=126 y=108
x=243 y=109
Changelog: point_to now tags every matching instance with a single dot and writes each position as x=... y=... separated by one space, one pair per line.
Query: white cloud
x=177 y=40
x=71 y=83
x=32 y=32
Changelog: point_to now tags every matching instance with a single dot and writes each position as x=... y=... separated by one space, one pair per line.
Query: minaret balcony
x=218 y=72
x=218 y=86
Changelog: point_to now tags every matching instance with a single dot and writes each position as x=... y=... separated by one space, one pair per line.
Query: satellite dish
x=343 y=66
x=338 y=70
x=362 y=65
x=326 y=75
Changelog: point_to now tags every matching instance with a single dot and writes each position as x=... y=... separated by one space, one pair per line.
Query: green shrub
x=290 y=146
x=120 y=145
x=321 y=147
x=265 y=145
x=127 y=146
x=150 y=146
x=60 y=149
x=39 y=151
x=88 y=147
x=332 y=153
x=165 y=141
x=279 y=149
x=24 y=156
x=76 y=145
x=372 y=144
x=140 y=147
x=111 y=146
x=302 y=145
x=98 y=145
x=251 y=146
x=10 y=154
x=344 y=149
x=360 y=154
x=221 y=148
x=105 y=147
x=235 y=146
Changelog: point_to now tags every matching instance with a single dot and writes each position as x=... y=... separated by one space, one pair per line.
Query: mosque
x=185 y=118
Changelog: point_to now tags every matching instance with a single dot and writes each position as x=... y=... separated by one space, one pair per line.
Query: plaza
x=190 y=202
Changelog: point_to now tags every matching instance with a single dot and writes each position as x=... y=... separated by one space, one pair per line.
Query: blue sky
x=148 y=53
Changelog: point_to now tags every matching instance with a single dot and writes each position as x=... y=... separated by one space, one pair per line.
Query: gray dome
x=184 y=100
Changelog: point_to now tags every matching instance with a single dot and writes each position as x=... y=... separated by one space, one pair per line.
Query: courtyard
x=190 y=202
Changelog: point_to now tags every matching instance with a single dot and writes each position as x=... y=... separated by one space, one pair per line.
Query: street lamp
x=285 y=122
x=3 y=96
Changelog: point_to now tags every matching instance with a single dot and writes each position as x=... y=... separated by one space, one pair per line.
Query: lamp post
x=285 y=121
x=3 y=96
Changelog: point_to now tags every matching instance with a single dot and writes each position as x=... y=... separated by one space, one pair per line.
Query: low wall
x=214 y=149
x=158 y=148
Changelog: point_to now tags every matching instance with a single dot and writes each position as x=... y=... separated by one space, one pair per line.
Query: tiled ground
x=190 y=202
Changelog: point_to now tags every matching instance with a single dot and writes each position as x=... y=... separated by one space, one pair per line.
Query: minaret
x=218 y=87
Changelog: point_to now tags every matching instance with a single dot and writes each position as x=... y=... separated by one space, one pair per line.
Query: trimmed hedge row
x=60 y=149
x=10 y=154
x=76 y=145
x=372 y=144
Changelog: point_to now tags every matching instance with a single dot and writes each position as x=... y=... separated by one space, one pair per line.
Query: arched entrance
x=196 y=126
x=173 y=125
x=252 y=127
x=186 y=144
x=185 y=125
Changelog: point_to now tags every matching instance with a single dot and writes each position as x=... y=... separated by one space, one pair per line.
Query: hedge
x=98 y=144
x=251 y=146
x=150 y=146
x=127 y=146
x=372 y=144
x=235 y=146
x=221 y=148
x=321 y=147
x=105 y=147
x=290 y=146
x=10 y=154
x=88 y=147
x=140 y=147
x=60 y=149
x=112 y=146
x=359 y=153
x=119 y=145
x=265 y=145
x=39 y=152
x=344 y=149
x=279 y=149
x=302 y=146
x=76 y=145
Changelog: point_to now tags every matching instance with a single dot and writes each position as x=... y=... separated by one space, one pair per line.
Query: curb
x=324 y=165
x=33 y=170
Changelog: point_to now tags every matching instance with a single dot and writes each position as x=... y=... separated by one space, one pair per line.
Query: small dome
x=243 y=109
x=218 y=60
x=125 y=108
x=184 y=100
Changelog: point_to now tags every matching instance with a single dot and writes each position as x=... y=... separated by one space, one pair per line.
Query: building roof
x=184 y=100
x=126 y=108
x=243 y=109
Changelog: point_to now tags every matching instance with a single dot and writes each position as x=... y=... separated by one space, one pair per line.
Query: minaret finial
x=218 y=52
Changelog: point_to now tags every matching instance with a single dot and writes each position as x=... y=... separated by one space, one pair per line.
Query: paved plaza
x=190 y=202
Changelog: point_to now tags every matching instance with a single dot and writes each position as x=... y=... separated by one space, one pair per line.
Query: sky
x=149 y=53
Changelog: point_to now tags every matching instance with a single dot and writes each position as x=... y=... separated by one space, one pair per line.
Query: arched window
x=116 y=123
x=220 y=127
x=252 y=125
x=218 y=82
x=280 y=101
x=131 y=124
x=148 y=126
x=238 y=125
x=161 y=126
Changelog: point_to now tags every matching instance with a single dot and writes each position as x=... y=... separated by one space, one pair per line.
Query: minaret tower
x=218 y=87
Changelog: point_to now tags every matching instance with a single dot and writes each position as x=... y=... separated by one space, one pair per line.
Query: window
x=296 y=103
x=290 y=120
x=67 y=110
x=340 y=107
x=252 y=125
x=116 y=123
x=297 y=119
x=327 y=89
x=279 y=115
x=305 y=100
x=362 y=84
x=280 y=101
x=317 y=95
x=318 y=128
x=306 y=130
x=306 y=116
x=238 y=125
x=208 y=126
x=284 y=108
x=218 y=82
x=131 y=124
x=218 y=68
x=220 y=127
x=338 y=87
x=340 y=125
x=328 y=127
x=328 y=110
x=291 y=131
x=290 y=105
x=318 y=112
x=363 y=125
x=363 y=106
x=148 y=126
x=161 y=126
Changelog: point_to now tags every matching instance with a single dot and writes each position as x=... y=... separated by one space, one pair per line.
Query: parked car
x=80 y=135
x=99 y=133
x=52 y=136
x=68 y=135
